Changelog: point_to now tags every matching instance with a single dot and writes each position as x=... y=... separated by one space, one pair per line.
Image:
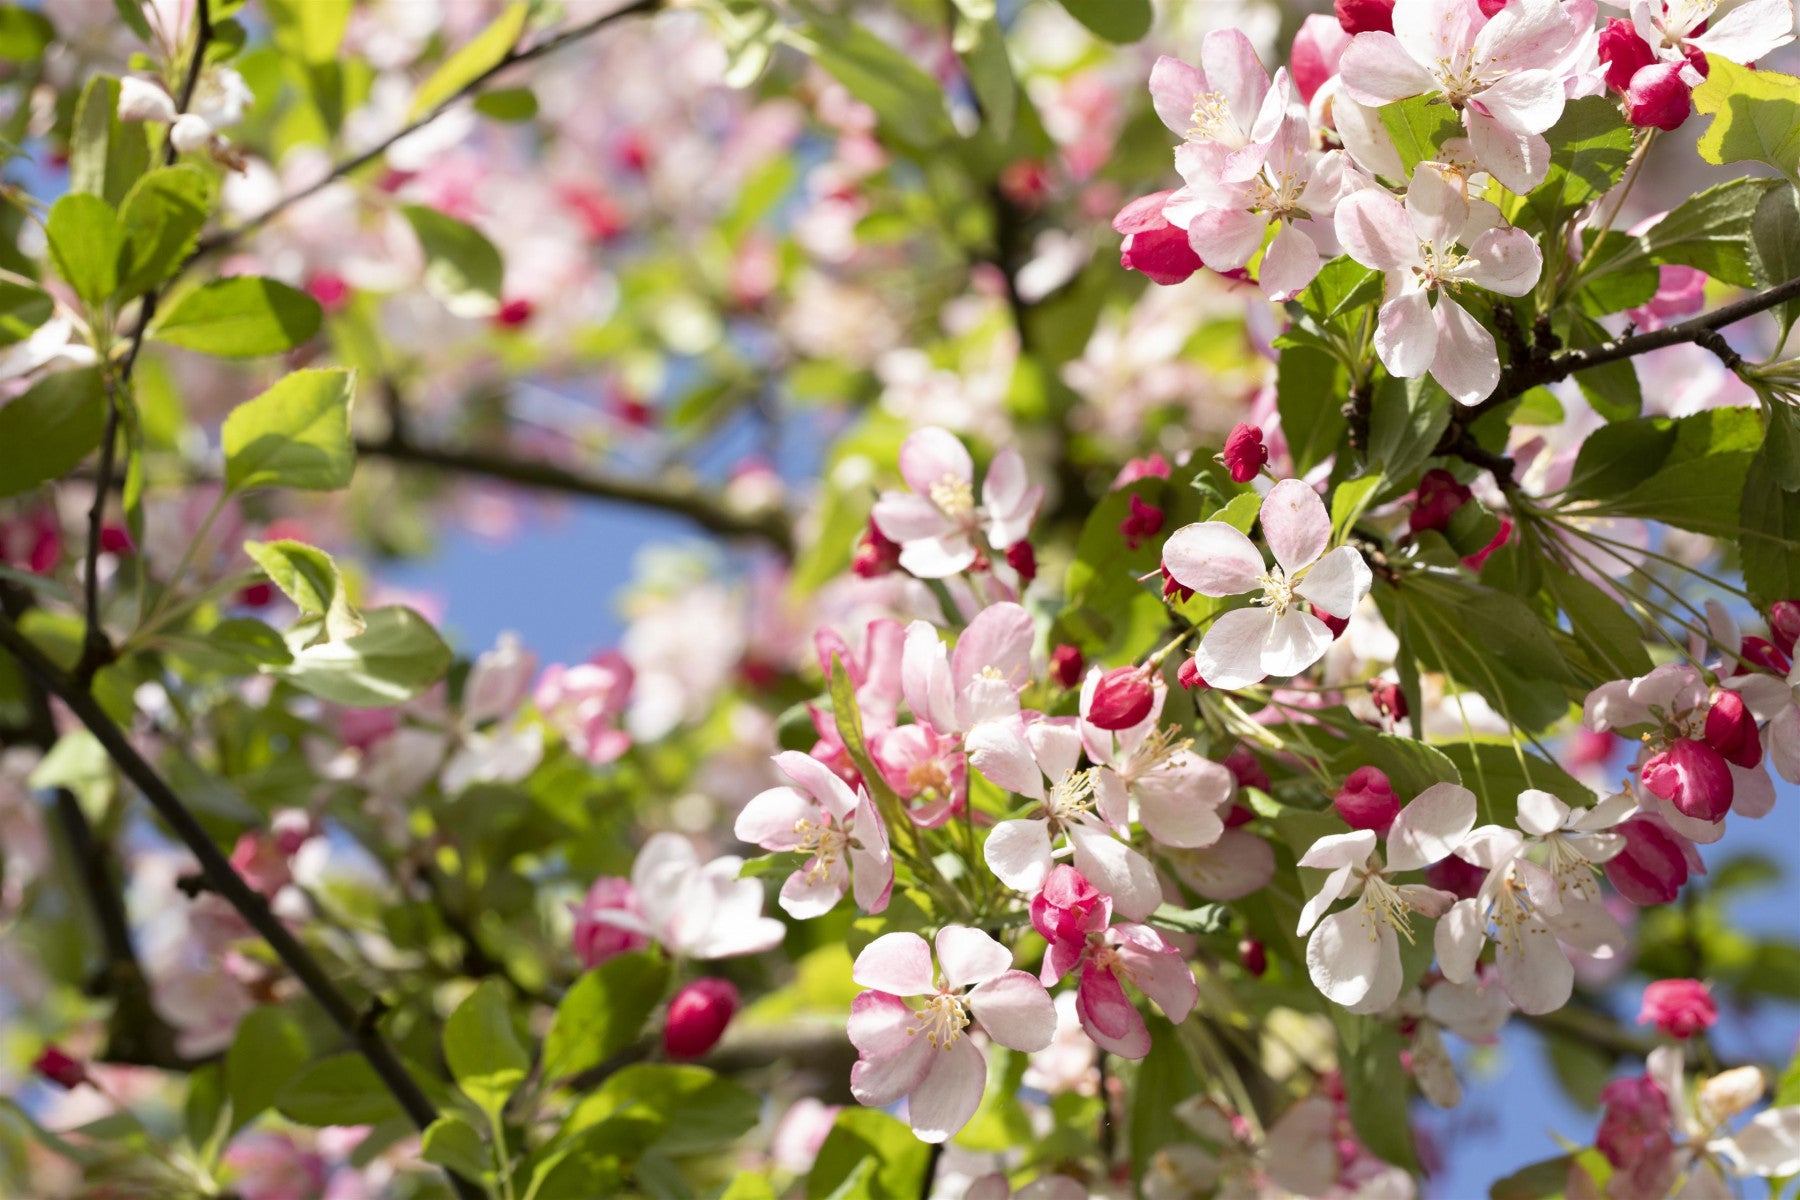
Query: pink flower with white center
x=1353 y=956
x=1508 y=76
x=1673 y=28
x=926 y=1053
x=925 y=768
x=1177 y=794
x=1022 y=758
x=693 y=909
x=980 y=680
x=1417 y=245
x=874 y=669
x=1229 y=108
x=586 y=702
x=1529 y=912
x=1274 y=636
x=937 y=521
x=1707 y=1152
x=838 y=830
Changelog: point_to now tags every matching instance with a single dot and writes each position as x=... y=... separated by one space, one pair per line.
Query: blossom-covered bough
x=1135 y=725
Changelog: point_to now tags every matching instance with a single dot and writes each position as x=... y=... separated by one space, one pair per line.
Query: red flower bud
x=1457 y=876
x=330 y=290
x=1142 y=522
x=1693 y=777
x=59 y=1068
x=1365 y=16
x=115 y=539
x=1436 y=501
x=1389 y=700
x=1188 y=676
x=1658 y=96
x=1784 y=625
x=1337 y=625
x=257 y=595
x=514 y=313
x=1653 y=865
x=1122 y=698
x=1244 y=765
x=1731 y=730
x=1238 y=814
x=1760 y=652
x=1679 y=1007
x=1066 y=662
x=1367 y=800
x=1476 y=560
x=698 y=1016
x=1254 y=959
x=1173 y=590
x=1153 y=246
x=1623 y=52
x=1490 y=7
x=876 y=554
x=1068 y=908
x=1244 y=453
x=1023 y=559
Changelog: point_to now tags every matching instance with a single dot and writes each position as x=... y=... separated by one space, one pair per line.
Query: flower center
x=1438 y=270
x=942 y=1020
x=1514 y=916
x=1072 y=795
x=928 y=776
x=1276 y=194
x=825 y=842
x=1385 y=902
x=1461 y=78
x=1213 y=121
x=1154 y=753
x=954 y=497
x=1575 y=875
x=1278 y=591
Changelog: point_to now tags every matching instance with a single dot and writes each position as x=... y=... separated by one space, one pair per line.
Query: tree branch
x=222 y=878
x=225 y=238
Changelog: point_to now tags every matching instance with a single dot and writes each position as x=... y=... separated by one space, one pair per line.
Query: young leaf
x=462 y=268
x=161 y=220
x=452 y=1142
x=296 y=434
x=308 y=577
x=106 y=155
x=604 y=1012
x=242 y=317
x=481 y=54
x=340 y=1090
x=1118 y=21
x=1755 y=116
x=1420 y=126
x=395 y=658
x=85 y=240
x=484 y=1054
x=49 y=429
x=269 y=1049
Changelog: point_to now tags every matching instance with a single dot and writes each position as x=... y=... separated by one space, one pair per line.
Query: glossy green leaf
x=1684 y=471
x=161 y=221
x=1755 y=116
x=1611 y=389
x=462 y=268
x=1604 y=628
x=473 y=60
x=48 y=430
x=453 y=1142
x=23 y=308
x=296 y=434
x=85 y=240
x=1710 y=231
x=485 y=1056
x=24 y=33
x=245 y=316
x=694 y=1110
x=604 y=1012
x=1775 y=232
x=1310 y=390
x=310 y=30
x=395 y=658
x=1420 y=125
x=1118 y=21
x=270 y=1049
x=1589 y=148
x=894 y=1160
x=340 y=1090
x=1769 y=543
x=308 y=576
x=106 y=155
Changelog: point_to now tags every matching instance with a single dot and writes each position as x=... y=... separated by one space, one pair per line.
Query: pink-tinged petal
x=1174 y=87
x=937 y=558
x=1300 y=1152
x=1109 y=1016
x=931 y=456
x=1377 y=70
x=1225 y=238
x=879 y=1082
x=1343 y=955
x=1431 y=30
x=1376 y=231
x=1507 y=261
x=950 y=1093
x=999 y=751
x=1160 y=972
x=1782 y=739
x=811 y=892
x=1366 y=139
x=871 y=862
x=1589 y=927
x=1526 y=101
x=1764 y=695
x=1540 y=812
x=1752 y=791
x=1235 y=866
x=1297 y=640
x=1214 y=559
x=1015 y=1010
x=905 y=517
x=996 y=645
x=1526 y=34
x=1749 y=31
x=1117 y=870
x=1384 y=983
x=970 y=956
x=1433 y=902
x=1056 y=744
x=925 y=678
x=1235 y=72
x=1406 y=339
x=817 y=779
x=896 y=963
x=665 y=859
x=1431 y=827
x=1340 y=850
x=1007 y=484
x=768 y=819
x=1518 y=160
x=1437 y=204
x=1461 y=933
x=1296 y=525
x=1112 y=803
x=1534 y=971
x=878 y=1024
x=1018 y=853
x=1466 y=362
x=1328 y=894
x=1336 y=583
x=1289 y=264
x=1230 y=655
x=1180 y=811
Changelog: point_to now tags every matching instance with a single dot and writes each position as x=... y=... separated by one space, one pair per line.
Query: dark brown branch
x=223 y=878
x=226 y=238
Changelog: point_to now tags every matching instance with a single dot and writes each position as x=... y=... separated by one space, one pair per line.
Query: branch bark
x=222 y=878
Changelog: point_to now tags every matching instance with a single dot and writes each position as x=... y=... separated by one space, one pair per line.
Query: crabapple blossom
x=1244 y=454
x=1274 y=636
x=936 y=522
x=585 y=703
x=1416 y=245
x=1706 y=1151
x=1576 y=841
x=1679 y=1008
x=1354 y=955
x=1683 y=32
x=838 y=831
x=597 y=940
x=1173 y=792
x=1021 y=758
x=1228 y=105
x=927 y=1054
x=1153 y=246
x=693 y=909
x=980 y=680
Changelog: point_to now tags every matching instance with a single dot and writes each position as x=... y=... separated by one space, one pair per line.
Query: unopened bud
x=1367 y=800
x=698 y=1016
x=1122 y=699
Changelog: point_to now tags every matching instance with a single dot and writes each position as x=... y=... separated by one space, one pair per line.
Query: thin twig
x=223 y=879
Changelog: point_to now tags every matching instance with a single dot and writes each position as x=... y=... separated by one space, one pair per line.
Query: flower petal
x=1466 y=362
x=1507 y=261
x=1534 y=970
x=1460 y=935
x=896 y=963
x=1018 y=852
x=931 y=456
x=1375 y=229
x=1297 y=640
x=1230 y=655
x=1214 y=559
x=1117 y=870
x=1437 y=204
x=950 y=1092
x=1431 y=827
x=819 y=781
x=1343 y=956
x=1540 y=812
x=1406 y=337
x=1174 y=88
x=1296 y=525
x=1377 y=70
x=768 y=819
x=970 y=956
x=1016 y=1011
x=999 y=751
x=1337 y=582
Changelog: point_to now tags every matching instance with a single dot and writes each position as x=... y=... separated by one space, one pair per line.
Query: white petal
x=1336 y=582
x=1214 y=559
x=1406 y=338
x=1327 y=895
x=1116 y=869
x=1431 y=827
x=1540 y=812
x=1295 y=524
x=1230 y=655
x=1343 y=955
x=999 y=751
x=1461 y=933
x=896 y=963
x=1018 y=852
x=1534 y=971
x=1297 y=640
x=949 y=1095
x=970 y=956
x=1016 y=1011
x=1466 y=362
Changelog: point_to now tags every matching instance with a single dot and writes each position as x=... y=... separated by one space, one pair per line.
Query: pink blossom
x=1654 y=864
x=1784 y=625
x=1318 y=48
x=926 y=1054
x=1415 y=244
x=585 y=703
x=697 y=1017
x=1679 y=1007
x=839 y=832
x=980 y=680
x=925 y=768
x=1679 y=31
x=1634 y=1136
x=1177 y=793
x=873 y=669
x=1145 y=520
x=1153 y=466
x=936 y=522
x=1692 y=776
x=1623 y=52
x=1364 y=16
x=269 y=1166
x=876 y=554
x=1152 y=245
x=1367 y=800
x=595 y=940
x=693 y=909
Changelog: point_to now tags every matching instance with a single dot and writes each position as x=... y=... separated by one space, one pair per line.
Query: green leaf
x=1420 y=126
x=79 y=763
x=1775 y=232
x=453 y=1142
x=51 y=428
x=1781 y=445
x=1684 y=471
x=848 y=718
x=1589 y=148
x=1546 y=1180
x=1407 y=417
x=1208 y=918
x=23 y=308
x=398 y=656
x=1603 y=627
x=1411 y=766
x=296 y=434
x=308 y=576
x=749 y=31
x=462 y=268
x=340 y=1090
x=906 y=100
x=1490 y=642
x=242 y=317
x=269 y=1049
x=484 y=1054
x=161 y=221
x=1349 y=499
x=895 y=1160
x=1117 y=21
x=1166 y=1072
x=1310 y=389
x=1769 y=543
x=1612 y=389
x=481 y=54
x=693 y=1110
x=106 y=155
x=508 y=104
x=1376 y=1087
x=982 y=47
x=132 y=13
x=1710 y=232
x=24 y=34
x=310 y=30
x=1497 y=773
x=85 y=241
x=1755 y=116
x=604 y=1013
